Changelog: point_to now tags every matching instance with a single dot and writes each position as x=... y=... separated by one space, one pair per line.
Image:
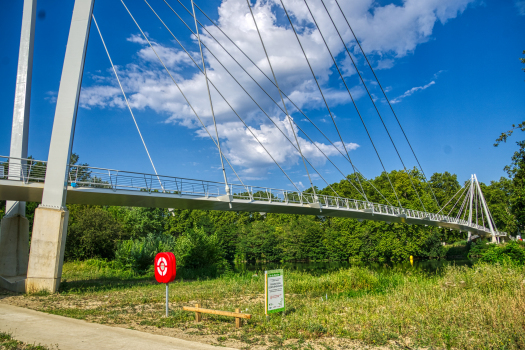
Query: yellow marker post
x=411 y=260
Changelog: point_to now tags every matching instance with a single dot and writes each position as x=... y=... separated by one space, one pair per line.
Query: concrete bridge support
x=51 y=217
x=14 y=228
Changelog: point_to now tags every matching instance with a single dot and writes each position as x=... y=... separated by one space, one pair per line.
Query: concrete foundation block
x=47 y=250
x=14 y=245
x=14 y=284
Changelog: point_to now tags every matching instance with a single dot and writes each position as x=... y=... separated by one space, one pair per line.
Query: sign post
x=273 y=291
x=165 y=271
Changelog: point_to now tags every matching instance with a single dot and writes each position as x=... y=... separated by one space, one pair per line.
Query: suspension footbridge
x=55 y=182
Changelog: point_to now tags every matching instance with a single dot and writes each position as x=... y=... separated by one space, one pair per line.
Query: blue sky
x=451 y=67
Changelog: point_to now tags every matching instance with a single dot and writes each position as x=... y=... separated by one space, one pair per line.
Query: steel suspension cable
x=373 y=102
x=324 y=99
x=353 y=102
x=211 y=103
x=349 y=93
x=454 y=196
x=462 y=205
x=288 y=116
x=249 y=129
x=278 y=105
x=266 y=76
x=466 y=208
x=388 y=100
x=178 y=87
x=457 y=201
x=127 y=102
x=304 y=53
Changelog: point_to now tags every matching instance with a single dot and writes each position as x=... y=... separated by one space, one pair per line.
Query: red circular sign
x=165 y=267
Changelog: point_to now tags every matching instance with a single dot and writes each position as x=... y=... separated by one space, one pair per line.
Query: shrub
x=478 y=248
x=193 y=249
x=92 y=233
x=510 y=253
x=139 y=254
x=196 y=249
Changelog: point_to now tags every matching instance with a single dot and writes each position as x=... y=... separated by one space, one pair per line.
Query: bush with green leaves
x=194 y=249
x=139 y=254
x=511 y=253
x=478 y=248
x=92 y=233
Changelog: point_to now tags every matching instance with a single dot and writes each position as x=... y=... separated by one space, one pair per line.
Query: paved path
x=35 y=327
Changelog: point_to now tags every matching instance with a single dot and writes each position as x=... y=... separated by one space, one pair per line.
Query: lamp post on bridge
x=51 y=217
x=14 y=231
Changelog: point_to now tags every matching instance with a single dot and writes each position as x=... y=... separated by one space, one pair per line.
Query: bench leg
x=238 y=320
x=197 y=314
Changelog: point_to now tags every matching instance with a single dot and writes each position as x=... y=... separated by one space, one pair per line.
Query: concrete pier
x=47 y=250
x=14 y=245
x=14 y=252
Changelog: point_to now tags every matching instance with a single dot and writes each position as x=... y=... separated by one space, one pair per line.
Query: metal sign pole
x=167 y=297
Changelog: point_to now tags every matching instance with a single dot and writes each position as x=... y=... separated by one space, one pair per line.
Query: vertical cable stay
x=388 y=101
x=349 y=93
x=462 y=193
x=375 y=106
x=288 y=116
x=266 y=114
x=178 y=87
x=326 y=104
x=260 y=70
x=304 y=53
x=238 y=116
x=127 y=102
x=211 y=103
x=450 y=200
x=270 y=80
x=462 y=205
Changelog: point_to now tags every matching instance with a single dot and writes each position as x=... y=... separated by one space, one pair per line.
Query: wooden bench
x=198 y=311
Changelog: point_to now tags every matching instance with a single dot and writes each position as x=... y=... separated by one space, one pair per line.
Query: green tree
x=197 y=249
x=258 y=241
x=92 y=233
x=498 y=196
x=516 y=172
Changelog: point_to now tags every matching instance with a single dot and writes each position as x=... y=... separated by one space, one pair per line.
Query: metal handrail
x=87 y=176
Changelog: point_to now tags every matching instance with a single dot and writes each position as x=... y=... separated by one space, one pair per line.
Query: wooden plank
x=198 y=316
x=216 y=312
x=238 y=320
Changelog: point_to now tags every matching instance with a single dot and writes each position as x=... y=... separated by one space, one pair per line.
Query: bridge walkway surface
x=34 y=327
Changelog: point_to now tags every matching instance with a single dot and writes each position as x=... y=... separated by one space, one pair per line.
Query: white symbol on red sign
x=162 y=266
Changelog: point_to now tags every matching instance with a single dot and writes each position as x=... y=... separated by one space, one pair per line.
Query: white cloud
x=386 y=32
x=412 y=91
x=520 y=4
x=172 y=58
x=243 y=150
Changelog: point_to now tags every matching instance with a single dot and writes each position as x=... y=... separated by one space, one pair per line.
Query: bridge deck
x=22 y=191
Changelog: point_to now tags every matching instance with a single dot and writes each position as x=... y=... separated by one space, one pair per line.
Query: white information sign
x=274 y=291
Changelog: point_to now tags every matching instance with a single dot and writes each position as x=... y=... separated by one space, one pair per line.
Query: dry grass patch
x=461 y=308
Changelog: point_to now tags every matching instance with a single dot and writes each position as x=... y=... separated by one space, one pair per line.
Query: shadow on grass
x=119 y=280
x=104 y=284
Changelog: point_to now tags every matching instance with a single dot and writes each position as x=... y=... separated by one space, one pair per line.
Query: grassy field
x=482 y=307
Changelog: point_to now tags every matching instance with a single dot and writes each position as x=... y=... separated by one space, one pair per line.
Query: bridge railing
x=31 y=170
x=19 y=169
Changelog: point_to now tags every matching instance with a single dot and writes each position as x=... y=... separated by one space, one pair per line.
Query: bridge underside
x=32 y=192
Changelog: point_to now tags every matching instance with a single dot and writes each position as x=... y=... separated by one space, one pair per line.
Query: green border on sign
x=274 y=273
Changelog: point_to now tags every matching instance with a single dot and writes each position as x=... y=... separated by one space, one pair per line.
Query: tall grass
x=462 y=308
